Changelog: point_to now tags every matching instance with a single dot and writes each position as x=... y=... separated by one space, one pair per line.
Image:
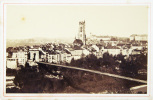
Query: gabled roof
x=111 y=47
x=66 y=51
x=120 y=44
x=52 y=52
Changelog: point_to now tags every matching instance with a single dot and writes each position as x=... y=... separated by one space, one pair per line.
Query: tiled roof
x=111 y=47
x=120 y=44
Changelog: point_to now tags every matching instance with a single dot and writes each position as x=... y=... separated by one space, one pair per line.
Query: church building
x=81 y=33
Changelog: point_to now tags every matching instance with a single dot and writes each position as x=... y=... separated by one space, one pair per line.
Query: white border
x=84 y=95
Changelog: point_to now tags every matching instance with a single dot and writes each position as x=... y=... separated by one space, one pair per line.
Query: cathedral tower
x=81 y=34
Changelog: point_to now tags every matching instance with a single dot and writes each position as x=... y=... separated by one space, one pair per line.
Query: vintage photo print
x=76 y=49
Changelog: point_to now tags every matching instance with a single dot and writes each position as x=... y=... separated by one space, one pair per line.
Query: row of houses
x=21 y=57
x=133 y=37
x=65 y=55
x=142 y=37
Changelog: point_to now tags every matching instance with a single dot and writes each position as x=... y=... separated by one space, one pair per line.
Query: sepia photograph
x=76 y=49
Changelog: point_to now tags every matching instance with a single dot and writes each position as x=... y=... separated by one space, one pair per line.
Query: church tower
x=81 y=34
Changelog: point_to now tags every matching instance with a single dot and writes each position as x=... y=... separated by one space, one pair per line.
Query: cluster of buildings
x=82 y=46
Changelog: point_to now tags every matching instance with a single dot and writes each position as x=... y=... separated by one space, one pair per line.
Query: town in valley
x=44 y=67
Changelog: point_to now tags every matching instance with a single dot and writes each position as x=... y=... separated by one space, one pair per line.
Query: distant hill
x=34 y=41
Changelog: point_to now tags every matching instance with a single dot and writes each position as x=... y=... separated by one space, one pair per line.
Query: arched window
x=80 y=29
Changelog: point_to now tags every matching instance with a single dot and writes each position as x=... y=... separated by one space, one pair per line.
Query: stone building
x=81 y=33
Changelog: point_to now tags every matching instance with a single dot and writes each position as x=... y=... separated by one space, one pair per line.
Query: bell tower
x=81 y=34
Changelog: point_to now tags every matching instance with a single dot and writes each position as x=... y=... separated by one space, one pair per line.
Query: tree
x=131 y=67
x=108 y=60
x=77 y=43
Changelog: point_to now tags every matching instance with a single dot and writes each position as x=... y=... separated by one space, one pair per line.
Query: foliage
x=92 y=62
x=128 y=67
x=31 y=81
x=133 y=64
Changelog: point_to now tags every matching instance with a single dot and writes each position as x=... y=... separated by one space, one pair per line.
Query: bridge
x=95 y=72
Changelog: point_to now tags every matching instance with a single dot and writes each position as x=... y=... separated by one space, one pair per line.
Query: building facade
x=12 y=63
x=135 y=37
x=81 y=34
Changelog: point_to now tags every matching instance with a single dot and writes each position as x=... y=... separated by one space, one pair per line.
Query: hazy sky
x=62 y=21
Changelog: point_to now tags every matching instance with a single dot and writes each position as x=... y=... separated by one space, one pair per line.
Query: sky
x=62 y=21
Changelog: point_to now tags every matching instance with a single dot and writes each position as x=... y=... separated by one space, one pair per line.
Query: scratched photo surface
x=89 y=49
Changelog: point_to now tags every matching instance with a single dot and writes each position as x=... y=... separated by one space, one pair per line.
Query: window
x=80 y=35
x=80 y=29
